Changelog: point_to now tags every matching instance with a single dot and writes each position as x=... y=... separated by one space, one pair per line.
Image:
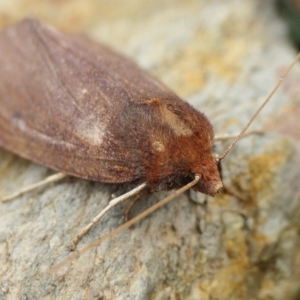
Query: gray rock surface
x=224 y=57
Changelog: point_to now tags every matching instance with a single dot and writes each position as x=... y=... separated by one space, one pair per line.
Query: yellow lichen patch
x=230 y=281
x=263 y=167
x=202 y=60
x=259 y=242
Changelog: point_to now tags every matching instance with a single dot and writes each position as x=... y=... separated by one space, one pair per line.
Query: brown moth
x=78 y=107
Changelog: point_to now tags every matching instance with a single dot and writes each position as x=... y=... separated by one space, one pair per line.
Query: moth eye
x=158 y=146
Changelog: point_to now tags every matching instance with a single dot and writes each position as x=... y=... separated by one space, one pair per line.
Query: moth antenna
x=224 y=137
x=110 y=205
x=50 y=179
x=260 y=108
x=126 y=225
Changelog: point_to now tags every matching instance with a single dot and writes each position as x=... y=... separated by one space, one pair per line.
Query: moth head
x=210 y=182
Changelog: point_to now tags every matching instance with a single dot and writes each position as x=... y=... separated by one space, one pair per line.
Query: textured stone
x=223 y=57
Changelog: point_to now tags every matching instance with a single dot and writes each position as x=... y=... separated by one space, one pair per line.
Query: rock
x=224 y=58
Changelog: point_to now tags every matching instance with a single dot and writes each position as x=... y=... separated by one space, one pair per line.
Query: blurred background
x=290 y=11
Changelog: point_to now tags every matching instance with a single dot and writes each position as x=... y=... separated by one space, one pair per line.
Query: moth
x=76 y=106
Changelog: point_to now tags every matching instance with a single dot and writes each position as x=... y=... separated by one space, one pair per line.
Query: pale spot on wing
x=177 y=125
x=158 y=146
x=91 y=133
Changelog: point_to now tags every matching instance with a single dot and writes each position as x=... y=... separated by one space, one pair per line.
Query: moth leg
x=234 y=193
x=228 y=190
x=130 y=206
x=50 y=179
x=133 y=202
x=223 y=137
x=110 y=205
